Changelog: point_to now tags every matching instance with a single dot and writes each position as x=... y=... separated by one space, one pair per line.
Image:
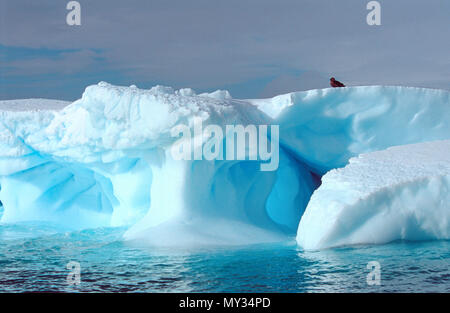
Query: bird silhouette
x=335 y=83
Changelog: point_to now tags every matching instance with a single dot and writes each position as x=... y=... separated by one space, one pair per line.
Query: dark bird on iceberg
x=335 y=83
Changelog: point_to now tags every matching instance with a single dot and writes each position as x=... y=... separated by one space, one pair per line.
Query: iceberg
x=402 y=193
x=105 y=159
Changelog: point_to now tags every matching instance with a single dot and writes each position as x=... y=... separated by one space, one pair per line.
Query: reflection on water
x=33 y=257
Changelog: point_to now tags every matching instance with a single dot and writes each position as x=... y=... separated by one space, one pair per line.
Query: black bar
x=222 y=302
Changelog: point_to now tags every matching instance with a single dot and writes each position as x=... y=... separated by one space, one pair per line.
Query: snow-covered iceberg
x=105 y=159
x=402 y=193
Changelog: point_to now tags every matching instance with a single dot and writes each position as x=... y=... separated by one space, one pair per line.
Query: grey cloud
x=206 y=44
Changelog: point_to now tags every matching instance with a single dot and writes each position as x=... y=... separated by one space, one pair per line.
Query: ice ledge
x=402 y=193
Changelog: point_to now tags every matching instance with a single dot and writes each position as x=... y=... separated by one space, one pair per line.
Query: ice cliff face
x=105 y=159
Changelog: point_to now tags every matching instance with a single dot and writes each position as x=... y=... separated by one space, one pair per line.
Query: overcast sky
x=253 y=48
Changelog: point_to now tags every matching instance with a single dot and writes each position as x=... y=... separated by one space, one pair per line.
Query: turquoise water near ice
x=33 y=257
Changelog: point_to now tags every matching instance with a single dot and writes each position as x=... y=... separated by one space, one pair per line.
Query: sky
x=253 y=48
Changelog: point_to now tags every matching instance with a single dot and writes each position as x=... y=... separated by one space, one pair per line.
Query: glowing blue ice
x=104 y=160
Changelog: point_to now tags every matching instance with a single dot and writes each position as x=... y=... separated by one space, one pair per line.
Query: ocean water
x=33 y=258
